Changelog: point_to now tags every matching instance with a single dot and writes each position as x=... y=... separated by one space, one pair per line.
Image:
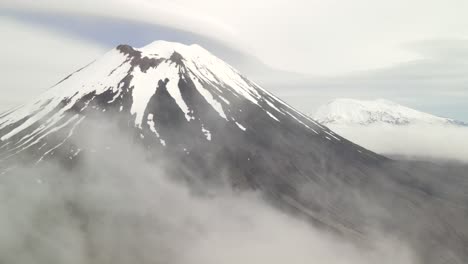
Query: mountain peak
x=180 y=101
x=165 y=49
x=186 y=80
x=365 y=112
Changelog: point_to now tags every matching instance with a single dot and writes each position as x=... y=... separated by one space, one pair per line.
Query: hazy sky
x=310 y=36
x=412 y=51
x=34 y=58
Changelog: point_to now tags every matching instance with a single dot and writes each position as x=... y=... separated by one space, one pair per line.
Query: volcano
x=181 y=100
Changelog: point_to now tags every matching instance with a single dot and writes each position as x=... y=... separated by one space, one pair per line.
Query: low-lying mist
x=119 y=208
x=412 y=141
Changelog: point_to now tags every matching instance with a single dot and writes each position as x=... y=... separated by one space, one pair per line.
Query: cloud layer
x=117 y=207
x=318 y=37
x=414 y=141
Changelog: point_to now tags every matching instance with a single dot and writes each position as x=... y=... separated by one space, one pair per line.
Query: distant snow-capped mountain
x=380 y=111
x=395 y=130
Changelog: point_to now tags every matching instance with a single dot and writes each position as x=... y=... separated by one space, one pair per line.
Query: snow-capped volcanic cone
x=185 y=106
x=365 y=112
x=189 y=107
x=180 y=97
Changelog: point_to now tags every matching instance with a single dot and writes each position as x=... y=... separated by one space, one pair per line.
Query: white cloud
x=312 y=36
x=416 y=141
x=34 y=59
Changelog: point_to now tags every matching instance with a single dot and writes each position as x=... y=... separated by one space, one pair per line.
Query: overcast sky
x=417 y=45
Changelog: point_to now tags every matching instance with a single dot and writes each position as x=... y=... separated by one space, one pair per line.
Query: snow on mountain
x=391 y=129
x=160 y=60
x=168 y=91
x=380 y=111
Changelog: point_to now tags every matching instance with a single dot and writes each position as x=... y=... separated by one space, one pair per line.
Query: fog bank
x=412 y=141
x=119 y=208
